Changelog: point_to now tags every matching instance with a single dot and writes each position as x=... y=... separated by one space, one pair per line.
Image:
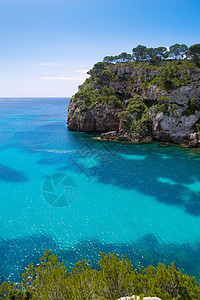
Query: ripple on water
x=139 y=200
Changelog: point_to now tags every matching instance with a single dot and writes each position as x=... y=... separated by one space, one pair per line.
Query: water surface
x=60 y=190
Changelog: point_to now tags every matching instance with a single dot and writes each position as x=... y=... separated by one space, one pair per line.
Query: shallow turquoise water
x=139 y=200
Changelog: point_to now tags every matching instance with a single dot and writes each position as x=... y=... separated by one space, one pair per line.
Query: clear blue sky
x=47 y=45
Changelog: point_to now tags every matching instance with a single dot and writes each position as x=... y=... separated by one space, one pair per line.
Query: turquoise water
x=62 y=191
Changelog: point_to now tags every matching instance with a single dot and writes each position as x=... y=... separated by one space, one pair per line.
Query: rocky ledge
x=138 y=102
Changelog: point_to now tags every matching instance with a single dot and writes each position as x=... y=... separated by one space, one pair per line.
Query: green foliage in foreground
x=114 y=279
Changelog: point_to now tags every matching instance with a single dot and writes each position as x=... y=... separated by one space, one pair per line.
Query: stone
x=138 y=298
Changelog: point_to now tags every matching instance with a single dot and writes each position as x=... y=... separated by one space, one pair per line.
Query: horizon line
x=35 y=97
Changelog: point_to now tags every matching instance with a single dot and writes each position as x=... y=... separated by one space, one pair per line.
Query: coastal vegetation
x=172 y=69
x=98 y=88
x=114 y=278
x=135 y=88
x=155 y=55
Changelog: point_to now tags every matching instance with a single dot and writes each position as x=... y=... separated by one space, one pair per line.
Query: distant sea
x=60 y=190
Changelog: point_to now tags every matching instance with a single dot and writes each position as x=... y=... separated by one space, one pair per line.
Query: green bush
x=197 y=127
x=88 y=97
x=136 y=117
x=107 y=91
x=145 y=85
x=105 y=76
x=136 y=105
x=192 y=107
x=97 y=69
x=170 y=77
x=164 y=108
x=163 y=100
x=115 y=278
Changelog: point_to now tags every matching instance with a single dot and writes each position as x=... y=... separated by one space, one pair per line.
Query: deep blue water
x=62 y=191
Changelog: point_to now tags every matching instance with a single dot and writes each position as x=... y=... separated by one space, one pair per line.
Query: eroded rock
x=170 y=125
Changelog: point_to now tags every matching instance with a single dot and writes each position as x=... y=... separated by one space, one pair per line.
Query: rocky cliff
x=137 y=101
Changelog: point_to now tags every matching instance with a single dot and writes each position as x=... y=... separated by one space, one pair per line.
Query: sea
x=64 y=191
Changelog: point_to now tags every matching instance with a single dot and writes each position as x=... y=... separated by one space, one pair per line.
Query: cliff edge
x=137 y=101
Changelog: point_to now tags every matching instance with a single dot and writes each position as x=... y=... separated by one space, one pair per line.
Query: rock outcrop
x=132 y=102
x=97 y=119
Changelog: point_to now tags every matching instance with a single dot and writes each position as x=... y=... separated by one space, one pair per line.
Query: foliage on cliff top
x=168 y=75
x=155 y=55
x=168 y=69
x=97 y=89
x=117 y=82
x=174 y=75
x=115 y=278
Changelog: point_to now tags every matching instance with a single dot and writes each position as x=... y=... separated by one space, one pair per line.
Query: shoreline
x=146 y=140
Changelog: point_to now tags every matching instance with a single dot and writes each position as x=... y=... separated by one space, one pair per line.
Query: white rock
x=138 y=298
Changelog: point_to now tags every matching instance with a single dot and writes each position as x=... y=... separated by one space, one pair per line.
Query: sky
x=47 y=46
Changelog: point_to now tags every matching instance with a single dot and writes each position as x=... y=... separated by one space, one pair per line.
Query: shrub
x=116 y=278
x=170 y=77
x=192 y=107
x=163 y=99
x=136 y=105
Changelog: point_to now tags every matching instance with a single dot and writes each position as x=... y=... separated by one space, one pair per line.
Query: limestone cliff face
x=98 y=119
x=175 y=126
x=108 y=103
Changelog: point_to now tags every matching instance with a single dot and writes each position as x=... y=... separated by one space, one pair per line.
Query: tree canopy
x=194 y=52
x=142 y=53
